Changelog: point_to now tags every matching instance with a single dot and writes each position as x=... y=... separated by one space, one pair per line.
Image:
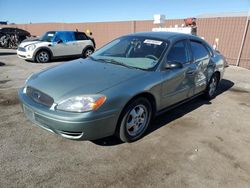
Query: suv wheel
x=42 y=56
x=134 y=120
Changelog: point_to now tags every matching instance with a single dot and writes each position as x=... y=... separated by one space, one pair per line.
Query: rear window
x=199 y=51
x=80 y=36
x=209 y=49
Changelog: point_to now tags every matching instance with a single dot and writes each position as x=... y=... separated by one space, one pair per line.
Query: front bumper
x=84 y=126
x=27 y=55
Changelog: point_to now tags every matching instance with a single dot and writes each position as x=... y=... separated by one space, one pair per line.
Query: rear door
x=201 y=58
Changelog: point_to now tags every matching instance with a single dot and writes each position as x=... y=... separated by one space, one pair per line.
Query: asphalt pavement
x=199 y=144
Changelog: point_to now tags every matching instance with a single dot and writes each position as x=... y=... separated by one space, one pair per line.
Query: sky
x=37 y=11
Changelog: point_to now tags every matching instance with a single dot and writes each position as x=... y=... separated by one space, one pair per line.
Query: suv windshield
x=48 y=36
x=132 y=51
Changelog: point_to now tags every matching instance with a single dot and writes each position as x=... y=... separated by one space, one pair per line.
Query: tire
x=42 y=56
x=134 y=120
x=212 y=86
x=87 y=52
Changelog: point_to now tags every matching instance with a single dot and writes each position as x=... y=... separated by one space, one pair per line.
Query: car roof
x=65 y=31
x=163 y=35
x=9 y=28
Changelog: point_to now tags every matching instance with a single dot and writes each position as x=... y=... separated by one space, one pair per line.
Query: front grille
x=21 y=49
x=39 y=97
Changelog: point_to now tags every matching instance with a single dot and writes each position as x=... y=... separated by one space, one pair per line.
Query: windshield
x=132 y=51
x=48 y=36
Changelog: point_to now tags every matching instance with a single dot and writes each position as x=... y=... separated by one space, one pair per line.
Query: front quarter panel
x=119 y=95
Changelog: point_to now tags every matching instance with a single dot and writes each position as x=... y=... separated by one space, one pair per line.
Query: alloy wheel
x=43 y=57
x=136 y=120
x=212 y=86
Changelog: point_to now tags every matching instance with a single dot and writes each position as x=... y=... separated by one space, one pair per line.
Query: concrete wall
x=229 y=31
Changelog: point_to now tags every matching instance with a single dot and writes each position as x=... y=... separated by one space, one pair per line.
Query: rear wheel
x=134 y=120
x=87 y=52
x=42 y=56
x=210 y=92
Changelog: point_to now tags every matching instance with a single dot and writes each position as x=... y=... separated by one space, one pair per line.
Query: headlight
x=31 y=47
x=81 y=103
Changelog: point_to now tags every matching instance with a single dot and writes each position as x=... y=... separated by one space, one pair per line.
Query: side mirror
x=173 y=65
x=59 y=41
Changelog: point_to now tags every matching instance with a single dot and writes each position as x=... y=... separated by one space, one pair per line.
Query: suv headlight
x=31 y=47
x=82 y=103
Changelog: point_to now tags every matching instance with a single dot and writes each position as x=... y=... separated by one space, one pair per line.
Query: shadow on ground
x=62 y=59
x=2 y=64
x=171 y=115
x=7 y=53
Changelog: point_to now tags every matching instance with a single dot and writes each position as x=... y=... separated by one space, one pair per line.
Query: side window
x=209 y=49
x=178 y=52
x=56 y=38
x=65 y=36
x=199 y=51
x=80 y=36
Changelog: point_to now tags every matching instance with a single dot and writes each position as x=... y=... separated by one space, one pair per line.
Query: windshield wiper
x=112 y=61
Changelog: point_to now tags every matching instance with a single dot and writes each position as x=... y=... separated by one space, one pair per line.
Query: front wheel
x=42 y=56
x=134 y=120
x=211 y=89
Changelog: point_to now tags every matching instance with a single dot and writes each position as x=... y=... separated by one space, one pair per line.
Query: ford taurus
x=122 y=86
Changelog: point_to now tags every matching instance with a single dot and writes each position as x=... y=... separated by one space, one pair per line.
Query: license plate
x=29 y=113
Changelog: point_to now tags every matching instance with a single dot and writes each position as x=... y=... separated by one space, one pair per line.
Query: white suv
x=56 y=44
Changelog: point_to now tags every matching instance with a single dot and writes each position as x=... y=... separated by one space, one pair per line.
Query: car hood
x=36 y=42
x=80 y=77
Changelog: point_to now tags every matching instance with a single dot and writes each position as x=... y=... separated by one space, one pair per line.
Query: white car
x=56 y=44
